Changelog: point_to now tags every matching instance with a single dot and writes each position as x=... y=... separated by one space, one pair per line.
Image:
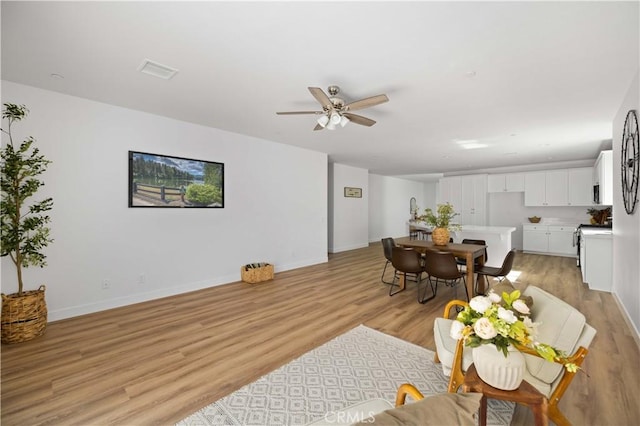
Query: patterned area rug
x=357 y=366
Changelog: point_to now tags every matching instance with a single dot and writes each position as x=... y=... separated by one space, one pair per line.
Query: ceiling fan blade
x=358 y=119
x=322 y=97
x=366 y=102
x=318 y=127
x=299 y=112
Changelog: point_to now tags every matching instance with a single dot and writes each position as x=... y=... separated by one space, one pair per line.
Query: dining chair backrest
x=507 y=264
x=406 y=260
x=441 y=264
x=387 y=245
x=480 y=243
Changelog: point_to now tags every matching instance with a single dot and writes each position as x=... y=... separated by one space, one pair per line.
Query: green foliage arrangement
x=504 y=321
x=24 y=230
x=442 y=218
x=203 y=195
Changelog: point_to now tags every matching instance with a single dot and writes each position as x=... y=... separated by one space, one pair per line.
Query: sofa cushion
x=435 y=410
x=507 y=287
x=560 y=326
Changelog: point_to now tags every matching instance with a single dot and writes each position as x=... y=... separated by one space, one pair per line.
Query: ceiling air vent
x=157 y=70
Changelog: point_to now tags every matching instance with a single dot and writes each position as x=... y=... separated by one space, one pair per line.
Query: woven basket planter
x=256 y=272
x=24 y=316
x=440 y=236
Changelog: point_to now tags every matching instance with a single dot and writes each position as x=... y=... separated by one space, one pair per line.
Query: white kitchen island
x=498 y=239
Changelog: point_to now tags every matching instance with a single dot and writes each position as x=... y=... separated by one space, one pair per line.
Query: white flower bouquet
x=503 y=321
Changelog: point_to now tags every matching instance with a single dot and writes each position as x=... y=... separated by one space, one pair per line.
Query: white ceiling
x=548 y=77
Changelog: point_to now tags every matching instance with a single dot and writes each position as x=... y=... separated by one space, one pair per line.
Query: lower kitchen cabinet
x=561 y=240
x=596 y=260
x=549 y=239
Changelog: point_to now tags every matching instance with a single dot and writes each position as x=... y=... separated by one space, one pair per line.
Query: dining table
x=470 y=252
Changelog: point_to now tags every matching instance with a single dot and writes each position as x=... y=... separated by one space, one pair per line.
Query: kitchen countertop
x=488 y=229
x=471 y=228
x=591 y=232
x=554 y=223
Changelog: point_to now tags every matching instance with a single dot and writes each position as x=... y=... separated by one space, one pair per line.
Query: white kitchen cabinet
x=583 y=264
x=603 y=177
x=509 y=182
x=596 y=259
x=474 y=200
x=549 y=239
x=563 y=187
x=561 y=240
x=535 y=238
x=468 y=196
x=535 y=189
x=580 y=189
x=451 y=192
x=556 y=188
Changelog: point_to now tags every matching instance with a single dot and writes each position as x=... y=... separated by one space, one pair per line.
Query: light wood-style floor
x=157 y=362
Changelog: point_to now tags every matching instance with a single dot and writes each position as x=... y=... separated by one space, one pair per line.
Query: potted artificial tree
x=24 y=230
x=441 y=223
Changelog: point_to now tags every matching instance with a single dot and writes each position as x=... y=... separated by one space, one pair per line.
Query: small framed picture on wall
x=350 y=192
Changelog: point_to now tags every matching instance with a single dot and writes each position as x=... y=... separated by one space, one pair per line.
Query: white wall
x=348 y=217
x=389 y=205
x=626 y=228
x=272 y=193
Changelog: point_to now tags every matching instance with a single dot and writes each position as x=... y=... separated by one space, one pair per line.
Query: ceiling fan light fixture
x=334 y=109
x=323 y=120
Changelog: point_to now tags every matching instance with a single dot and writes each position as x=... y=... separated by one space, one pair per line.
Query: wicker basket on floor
x=24 y=316
x=256 y=272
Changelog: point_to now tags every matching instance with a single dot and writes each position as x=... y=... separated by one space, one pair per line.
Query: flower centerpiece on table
x=502 y=321
x=441 y=222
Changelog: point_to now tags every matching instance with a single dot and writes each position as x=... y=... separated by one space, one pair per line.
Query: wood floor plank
x=156 y=362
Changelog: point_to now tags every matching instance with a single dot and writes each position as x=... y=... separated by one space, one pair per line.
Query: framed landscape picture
x=163 y=181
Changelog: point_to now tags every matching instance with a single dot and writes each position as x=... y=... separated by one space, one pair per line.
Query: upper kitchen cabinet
x=451 y=192
x=603 y=177
x=565 y=187
x=474 y=200
x=580 y=191
x=468 y=196
x=509 y=182
x=546 y=188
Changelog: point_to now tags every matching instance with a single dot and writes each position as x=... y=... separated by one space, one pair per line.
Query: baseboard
x=627 y=319
x=302 y=264
x=347 y=248
x=118 y=302
x=544 y=253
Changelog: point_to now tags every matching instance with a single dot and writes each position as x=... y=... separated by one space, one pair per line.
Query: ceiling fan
x=335 y=111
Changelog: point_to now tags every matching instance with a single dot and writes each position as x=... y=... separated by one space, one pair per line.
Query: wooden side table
x=526 y=394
